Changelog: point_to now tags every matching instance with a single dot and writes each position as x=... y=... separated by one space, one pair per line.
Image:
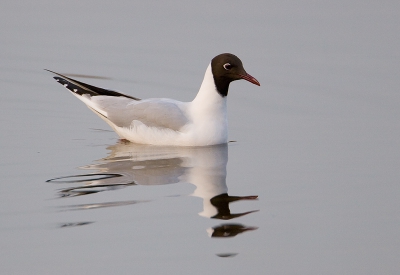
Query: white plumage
x=162 y=121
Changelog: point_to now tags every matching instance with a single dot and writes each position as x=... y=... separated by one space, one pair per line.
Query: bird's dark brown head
x=226 y=68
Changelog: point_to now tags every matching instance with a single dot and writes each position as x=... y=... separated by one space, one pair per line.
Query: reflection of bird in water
x=229 y=230
x=132 y=164
x=221 y=203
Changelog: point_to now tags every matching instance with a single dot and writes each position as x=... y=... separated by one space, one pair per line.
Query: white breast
x=208 y=111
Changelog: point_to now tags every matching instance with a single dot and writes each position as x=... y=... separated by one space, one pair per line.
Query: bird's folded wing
x=161 y=113
x=121 y=109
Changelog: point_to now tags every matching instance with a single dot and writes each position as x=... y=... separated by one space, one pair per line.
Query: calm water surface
x=310 y=185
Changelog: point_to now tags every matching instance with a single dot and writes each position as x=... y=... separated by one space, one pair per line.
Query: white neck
x=208 y=93
x=208 y=113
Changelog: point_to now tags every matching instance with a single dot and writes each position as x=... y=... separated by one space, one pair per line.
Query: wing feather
x=122 y=110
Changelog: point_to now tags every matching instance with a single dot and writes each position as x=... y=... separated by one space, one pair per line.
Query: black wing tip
x=61 y=80
x=71 y=86
x=83 y=88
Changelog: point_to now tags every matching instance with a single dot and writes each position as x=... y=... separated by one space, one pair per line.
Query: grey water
x=310 y=183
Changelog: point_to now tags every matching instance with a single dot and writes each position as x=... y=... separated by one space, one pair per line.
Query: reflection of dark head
x=221 y=202
x=230 y=230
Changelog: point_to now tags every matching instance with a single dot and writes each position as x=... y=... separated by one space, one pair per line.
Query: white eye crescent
x=227 y=66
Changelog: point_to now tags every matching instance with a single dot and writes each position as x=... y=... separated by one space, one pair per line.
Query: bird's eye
x=227 y=66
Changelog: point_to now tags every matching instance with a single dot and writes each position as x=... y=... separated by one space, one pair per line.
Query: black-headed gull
x=164 y=121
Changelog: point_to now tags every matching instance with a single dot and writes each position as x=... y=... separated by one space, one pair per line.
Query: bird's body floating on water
x=163 y=121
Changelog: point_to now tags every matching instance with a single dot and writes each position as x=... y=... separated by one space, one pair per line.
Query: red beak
x=250 y=79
